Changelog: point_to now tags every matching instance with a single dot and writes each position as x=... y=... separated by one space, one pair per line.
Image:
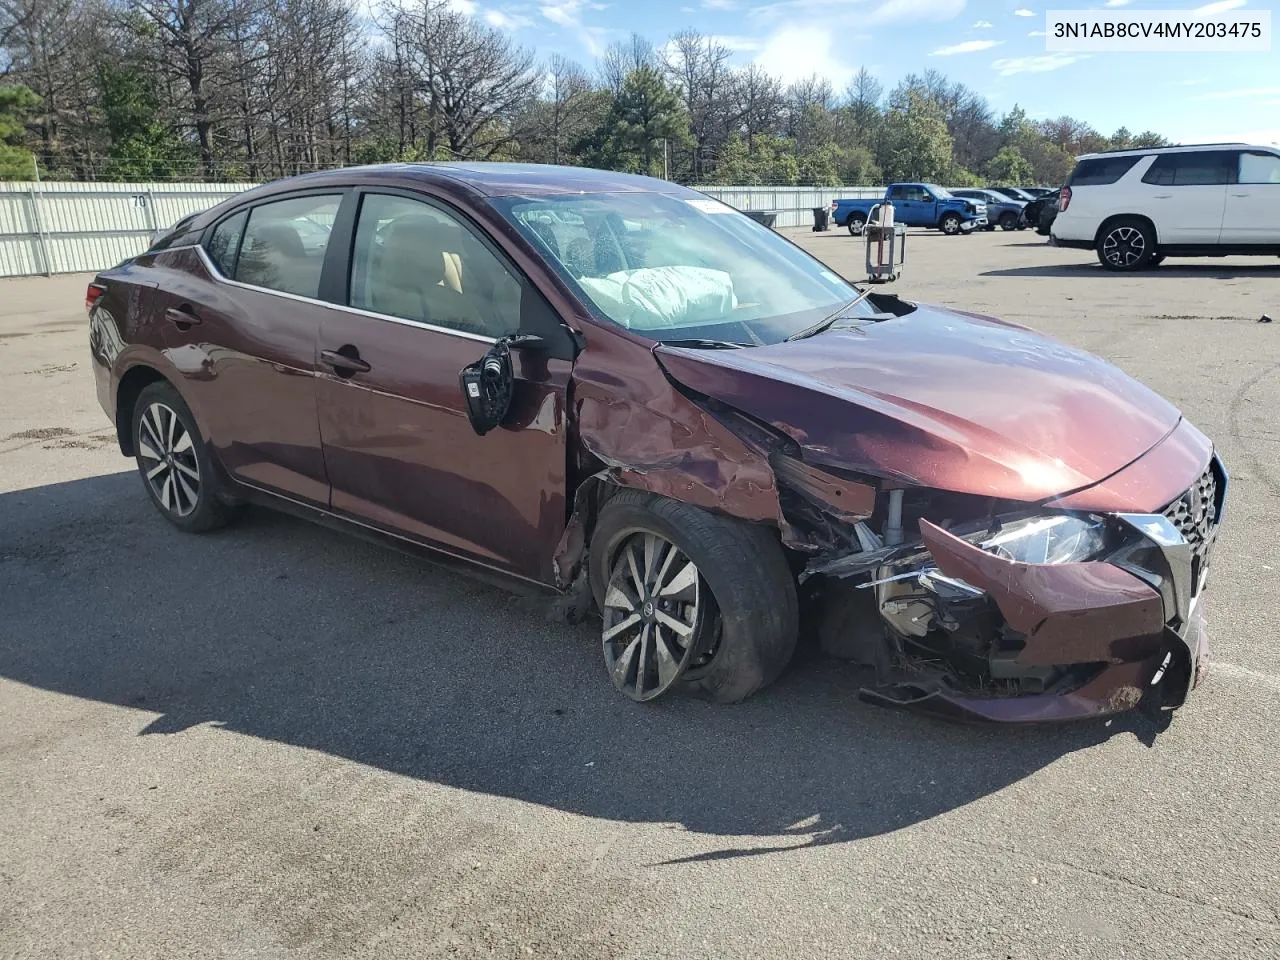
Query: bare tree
x=757 y=102
x=474 y=77
x=699 y=68
x=569 y=88
x=622 y=57
x=192 y=33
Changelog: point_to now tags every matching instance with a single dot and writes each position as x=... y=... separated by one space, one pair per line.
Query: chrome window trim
x=218 y=276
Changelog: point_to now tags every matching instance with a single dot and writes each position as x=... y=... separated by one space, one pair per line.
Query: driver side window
x=415 y=261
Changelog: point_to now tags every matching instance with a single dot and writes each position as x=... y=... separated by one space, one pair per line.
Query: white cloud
x=568 y=14
x=1198 y=81
x=1117 y=3
x=1051 y=61
x=794 y=53
x=982 y=25
x=506 y=20
x=465 y=7
x=720 y=4
x=968 y=46
x=1244 y=93
x=736 y=43
x=1222 y=6
x=1037 y=33
x=1024 y=12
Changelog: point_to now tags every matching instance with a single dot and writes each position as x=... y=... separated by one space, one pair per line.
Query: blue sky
x=996 y=47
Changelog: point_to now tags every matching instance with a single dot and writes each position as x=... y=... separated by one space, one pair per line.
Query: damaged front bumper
x=1098 y=637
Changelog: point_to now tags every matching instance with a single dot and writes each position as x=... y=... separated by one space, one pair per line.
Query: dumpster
x=821 y=219
x=766 y=217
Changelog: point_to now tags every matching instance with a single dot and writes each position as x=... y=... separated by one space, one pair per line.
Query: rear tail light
x=93 y=295
x=1064 y=199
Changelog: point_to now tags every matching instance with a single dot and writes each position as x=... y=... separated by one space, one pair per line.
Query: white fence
x=793 y=205
x=57 y=227
x=63 y=227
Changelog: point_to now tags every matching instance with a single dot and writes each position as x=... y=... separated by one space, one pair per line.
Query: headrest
x=281 y=238
x=418 y=243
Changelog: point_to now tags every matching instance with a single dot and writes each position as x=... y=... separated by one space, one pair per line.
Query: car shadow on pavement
x=279 y=629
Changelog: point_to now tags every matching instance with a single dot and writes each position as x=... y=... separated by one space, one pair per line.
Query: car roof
x=493 y=179
x=1181 y=148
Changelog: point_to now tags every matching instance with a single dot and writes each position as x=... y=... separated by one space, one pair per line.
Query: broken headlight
x=1061 y=538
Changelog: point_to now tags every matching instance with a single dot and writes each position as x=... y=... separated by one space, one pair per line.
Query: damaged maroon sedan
x=619 y=390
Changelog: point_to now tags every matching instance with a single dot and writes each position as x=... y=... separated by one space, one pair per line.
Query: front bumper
x=1124 y=630
x=975 y=224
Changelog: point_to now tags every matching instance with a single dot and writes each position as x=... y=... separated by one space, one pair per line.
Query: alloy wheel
x=169 y=459
x=653 y=613
x=950 y=226
x=1124 y=246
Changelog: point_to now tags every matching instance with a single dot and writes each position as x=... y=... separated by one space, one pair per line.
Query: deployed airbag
x=656 y=298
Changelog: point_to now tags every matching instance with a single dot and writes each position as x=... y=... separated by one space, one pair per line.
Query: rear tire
x=856 y=223
x=1126 y=245
x=750 y=621
x=174 y=463
x=950 y=224
x=1008 y=221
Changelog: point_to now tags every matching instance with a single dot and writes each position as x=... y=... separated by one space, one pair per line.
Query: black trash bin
x=763 y=216
x=821 y=219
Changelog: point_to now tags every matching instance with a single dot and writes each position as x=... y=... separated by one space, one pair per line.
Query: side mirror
x=488 y=384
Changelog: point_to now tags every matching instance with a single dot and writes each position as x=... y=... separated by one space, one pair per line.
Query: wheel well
x=132 y=384
x=1110 y=221
x=949 y=213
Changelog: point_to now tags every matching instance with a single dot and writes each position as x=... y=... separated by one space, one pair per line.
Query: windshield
x=681 y=268
x=937 y=191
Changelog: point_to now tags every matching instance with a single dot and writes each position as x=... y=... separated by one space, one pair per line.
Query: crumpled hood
x=942 y=399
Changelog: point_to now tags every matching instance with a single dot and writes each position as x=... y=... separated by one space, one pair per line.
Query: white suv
x=1136 y=207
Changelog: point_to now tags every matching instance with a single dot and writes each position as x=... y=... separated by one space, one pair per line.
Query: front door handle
x=344 y=358
x=181 y=317
x=1163 y=196
x=1242 y=194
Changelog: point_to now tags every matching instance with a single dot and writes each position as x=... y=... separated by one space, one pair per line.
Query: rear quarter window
x=1098 y=171
x=1196 y=169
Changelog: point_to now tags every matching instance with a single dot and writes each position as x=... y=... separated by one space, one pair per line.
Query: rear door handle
x=1163 y=196
x=1242 y=194
x=181 y=317
x=344 y=358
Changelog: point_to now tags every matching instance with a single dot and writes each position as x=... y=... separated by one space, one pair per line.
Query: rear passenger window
x=1198 y=169
x=415 y=261
x=224 y=245
x=1259 y=168
x=285 y=242
x=1098 y=171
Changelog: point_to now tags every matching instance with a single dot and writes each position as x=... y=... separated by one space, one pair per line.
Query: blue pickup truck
x=916 y=205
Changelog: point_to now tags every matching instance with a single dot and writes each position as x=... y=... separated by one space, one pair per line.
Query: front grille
x=1196 y=514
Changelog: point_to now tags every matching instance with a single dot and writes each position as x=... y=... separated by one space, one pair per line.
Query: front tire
x=1008 y=221
x=730 y=619
x=856 y=223
x=950 y=224
x=1126 y=245
x=174 y=463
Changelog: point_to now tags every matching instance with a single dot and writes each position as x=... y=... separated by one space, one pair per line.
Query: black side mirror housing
x=488 y=384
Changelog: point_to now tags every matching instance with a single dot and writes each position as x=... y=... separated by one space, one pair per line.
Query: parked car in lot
x=1017 y=194
x=1039 y=213
x=916 y=205
x=1136 y=207
x=1037 y=192
x=619 y=391
x=1001 y=211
